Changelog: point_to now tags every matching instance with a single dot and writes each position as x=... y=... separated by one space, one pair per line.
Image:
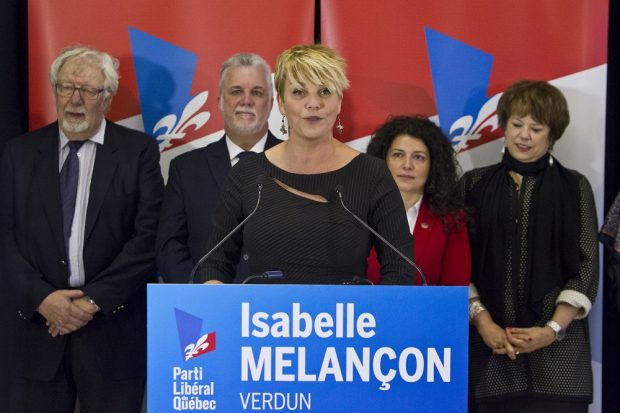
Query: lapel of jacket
x=47 y=177
x=106 y=162
x=218 y=161
x=423 y=229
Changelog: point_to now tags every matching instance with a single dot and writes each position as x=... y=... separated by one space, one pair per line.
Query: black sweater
x=310 y=242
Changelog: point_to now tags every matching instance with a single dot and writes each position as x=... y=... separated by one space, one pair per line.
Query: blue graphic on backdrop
x=461 y=75
x=164 y=73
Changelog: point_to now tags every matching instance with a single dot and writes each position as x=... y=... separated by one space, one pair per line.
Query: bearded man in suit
x=195 y=178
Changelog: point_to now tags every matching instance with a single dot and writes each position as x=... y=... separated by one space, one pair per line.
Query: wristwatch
x=560 y=333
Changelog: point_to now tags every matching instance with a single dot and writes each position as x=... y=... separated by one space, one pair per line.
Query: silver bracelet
x=475 y=308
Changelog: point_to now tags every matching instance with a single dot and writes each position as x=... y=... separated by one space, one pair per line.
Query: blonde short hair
x=311 y=63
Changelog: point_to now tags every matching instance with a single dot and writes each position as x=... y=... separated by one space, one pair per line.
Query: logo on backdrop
x=194 y=341
x=461 y=75
x=164 y=73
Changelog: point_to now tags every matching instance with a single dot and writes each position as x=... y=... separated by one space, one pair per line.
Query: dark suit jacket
x=124 y=201
x=192 y=192
x=444 y=258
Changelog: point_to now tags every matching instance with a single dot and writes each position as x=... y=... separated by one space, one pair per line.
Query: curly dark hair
x=441 y=189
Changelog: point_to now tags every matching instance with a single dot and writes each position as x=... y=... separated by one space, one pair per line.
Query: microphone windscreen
x=260 y=179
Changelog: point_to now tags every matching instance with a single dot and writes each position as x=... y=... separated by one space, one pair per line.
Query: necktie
x=243 y=154
x=69 y=176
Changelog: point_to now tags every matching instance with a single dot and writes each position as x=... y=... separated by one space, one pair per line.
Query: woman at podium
x=534 y=264
x=299 y=201
x=424 y=166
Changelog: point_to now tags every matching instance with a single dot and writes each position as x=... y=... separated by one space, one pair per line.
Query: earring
x=550 y=160
x=503 y=150
x=283 y=127
x=339 y=126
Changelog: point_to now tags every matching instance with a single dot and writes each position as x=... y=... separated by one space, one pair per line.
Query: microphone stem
x=230 y=234
x=388 y=243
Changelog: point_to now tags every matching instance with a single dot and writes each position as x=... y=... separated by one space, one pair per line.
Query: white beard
x=74 y=127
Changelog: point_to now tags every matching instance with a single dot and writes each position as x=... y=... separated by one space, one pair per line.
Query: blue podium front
x=281 y=348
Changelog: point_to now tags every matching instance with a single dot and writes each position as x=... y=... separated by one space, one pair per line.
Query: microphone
x=259 y=184
x=267 y=275
x=376 y=234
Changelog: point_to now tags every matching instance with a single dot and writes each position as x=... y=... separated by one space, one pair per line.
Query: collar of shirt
x=96 y=138
x=234 y=149
x=412 y=214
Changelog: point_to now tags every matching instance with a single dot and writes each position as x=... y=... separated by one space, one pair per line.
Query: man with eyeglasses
x=79 y=206
x=195 y=178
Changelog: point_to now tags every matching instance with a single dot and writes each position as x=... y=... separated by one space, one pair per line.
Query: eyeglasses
x=67 y=90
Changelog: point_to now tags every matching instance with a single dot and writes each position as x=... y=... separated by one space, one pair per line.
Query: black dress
x=311 y=242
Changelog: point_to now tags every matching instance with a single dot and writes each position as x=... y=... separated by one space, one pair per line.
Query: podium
x=239 y=348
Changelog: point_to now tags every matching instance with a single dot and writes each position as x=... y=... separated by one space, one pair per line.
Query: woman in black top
x=534 y=264
x=300 y=226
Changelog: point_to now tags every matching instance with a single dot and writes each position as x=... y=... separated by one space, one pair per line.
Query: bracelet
x=475 y=308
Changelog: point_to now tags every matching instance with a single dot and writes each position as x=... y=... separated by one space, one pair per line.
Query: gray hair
x=247 y=60
x=108 y=64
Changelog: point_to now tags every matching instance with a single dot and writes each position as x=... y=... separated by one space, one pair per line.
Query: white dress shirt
x=234 y=150
x=86 y=158
x=412 y=214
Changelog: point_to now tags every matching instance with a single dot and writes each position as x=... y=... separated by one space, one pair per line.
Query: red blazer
x=444 y=258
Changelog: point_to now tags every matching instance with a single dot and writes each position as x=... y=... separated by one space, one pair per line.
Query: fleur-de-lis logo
x=205 y=344
x=190 y=120
x=464 y=129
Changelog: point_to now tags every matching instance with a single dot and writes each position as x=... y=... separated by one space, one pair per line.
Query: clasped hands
x=66 y=311
x=512 y=341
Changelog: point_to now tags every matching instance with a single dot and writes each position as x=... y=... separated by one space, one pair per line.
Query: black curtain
x=612 y=136
x=14 y=120
x=13 y=69
x=611 y=318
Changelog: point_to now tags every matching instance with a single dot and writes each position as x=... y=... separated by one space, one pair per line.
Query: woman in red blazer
x=424 y=167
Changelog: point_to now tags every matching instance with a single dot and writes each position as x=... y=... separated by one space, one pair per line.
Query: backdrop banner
x=235 y=348
x=170 y=56
x=452 y=60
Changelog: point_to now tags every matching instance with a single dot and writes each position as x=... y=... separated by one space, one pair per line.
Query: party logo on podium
x=194 y=341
